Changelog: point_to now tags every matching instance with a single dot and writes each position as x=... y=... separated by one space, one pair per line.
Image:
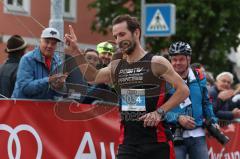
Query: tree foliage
x=210 y=26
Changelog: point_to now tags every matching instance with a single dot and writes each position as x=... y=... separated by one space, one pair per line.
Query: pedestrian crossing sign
x=158 y=23
x=159 y=19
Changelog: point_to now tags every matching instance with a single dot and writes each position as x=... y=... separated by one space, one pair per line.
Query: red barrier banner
x=231 y=150
x=62 y=130
x=67 y=130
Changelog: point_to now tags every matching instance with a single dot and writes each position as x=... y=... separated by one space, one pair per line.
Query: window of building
x=69 y=7
x=17 y=7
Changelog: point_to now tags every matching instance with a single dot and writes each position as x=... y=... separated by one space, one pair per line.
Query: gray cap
x=51 y=33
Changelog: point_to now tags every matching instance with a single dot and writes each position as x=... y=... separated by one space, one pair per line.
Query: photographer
x=188 y=118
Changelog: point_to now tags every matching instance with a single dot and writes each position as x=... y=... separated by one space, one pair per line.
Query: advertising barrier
x=68 y=130
x=62 y=130
x=232 y=149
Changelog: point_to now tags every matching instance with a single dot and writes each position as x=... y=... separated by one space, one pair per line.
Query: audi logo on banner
x=14 y=137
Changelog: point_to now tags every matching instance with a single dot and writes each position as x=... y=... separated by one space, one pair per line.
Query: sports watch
x=161 y=112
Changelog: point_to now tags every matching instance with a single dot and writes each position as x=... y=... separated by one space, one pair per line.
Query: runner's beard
x=127 y=46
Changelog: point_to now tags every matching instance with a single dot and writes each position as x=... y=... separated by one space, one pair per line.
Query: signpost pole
x=142 y=23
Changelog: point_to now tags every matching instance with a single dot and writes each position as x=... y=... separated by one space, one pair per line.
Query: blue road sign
x=159 y=19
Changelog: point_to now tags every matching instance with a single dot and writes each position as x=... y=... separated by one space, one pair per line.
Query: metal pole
x=56 y=21
x=142 y=22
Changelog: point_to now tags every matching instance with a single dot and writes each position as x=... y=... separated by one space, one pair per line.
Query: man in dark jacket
x=221 y=95
x=16 y=47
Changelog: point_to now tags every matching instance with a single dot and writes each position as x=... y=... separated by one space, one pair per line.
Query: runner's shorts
x=163 y=150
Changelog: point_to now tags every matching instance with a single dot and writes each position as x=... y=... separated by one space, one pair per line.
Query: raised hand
x=226 y=94
x=71 y=40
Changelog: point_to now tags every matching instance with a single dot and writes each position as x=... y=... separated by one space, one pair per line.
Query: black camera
x=216 y=133
x=178 y=136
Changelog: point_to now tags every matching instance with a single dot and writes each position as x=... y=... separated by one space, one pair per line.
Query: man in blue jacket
x=39 y=73
x=188 y=117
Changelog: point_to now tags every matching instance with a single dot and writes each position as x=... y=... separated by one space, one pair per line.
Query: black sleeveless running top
x=132 y=77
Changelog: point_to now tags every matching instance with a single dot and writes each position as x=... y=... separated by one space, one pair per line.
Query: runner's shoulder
x=160 y=65
x=159 y=59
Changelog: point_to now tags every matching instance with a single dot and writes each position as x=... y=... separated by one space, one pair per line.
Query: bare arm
x=162 y=68
x=90 y=73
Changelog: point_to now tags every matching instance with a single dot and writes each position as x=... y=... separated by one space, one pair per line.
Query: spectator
x=76 y=86
x=96 y=91
x=235 y=100
x=105 y=50
x=188 y=117
x=221 y=95
x=16 y=47
x=92 y=57
x=38 y=75
x=210 y=80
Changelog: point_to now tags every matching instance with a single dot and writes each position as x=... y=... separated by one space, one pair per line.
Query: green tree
x=210 y=26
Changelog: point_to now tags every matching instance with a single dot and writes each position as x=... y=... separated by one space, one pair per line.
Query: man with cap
x=39 y=76
x=15 y=49
x=105 y=50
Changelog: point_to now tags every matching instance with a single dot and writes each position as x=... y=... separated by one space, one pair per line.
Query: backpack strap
x=198 y=73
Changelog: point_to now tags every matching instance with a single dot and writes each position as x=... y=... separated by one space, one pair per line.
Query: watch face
x=160 y=111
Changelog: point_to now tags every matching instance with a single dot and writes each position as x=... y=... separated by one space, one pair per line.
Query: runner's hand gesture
x=71 y=40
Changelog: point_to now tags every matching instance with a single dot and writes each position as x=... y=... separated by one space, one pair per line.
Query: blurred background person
x=221 y=95
x=92 y=57
x=76 y=85
x=100 y=92
x=235 y=101
x=15 y=49
x=210 y=80
x=106 y=51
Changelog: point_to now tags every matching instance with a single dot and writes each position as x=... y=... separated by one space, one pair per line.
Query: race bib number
x=133 y=100
x=185 y=103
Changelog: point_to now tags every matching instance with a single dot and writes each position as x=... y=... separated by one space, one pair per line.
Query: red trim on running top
x=162 y=95
x=161 y=136
x=171 y=150
x=121 y=137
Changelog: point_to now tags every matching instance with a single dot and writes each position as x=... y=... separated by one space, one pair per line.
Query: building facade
x=28 y=18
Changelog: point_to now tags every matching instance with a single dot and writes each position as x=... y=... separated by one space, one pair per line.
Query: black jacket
x=222 y=109
x=8 y=73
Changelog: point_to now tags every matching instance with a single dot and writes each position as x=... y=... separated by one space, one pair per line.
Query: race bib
x=133 y=100
x=185 y=103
